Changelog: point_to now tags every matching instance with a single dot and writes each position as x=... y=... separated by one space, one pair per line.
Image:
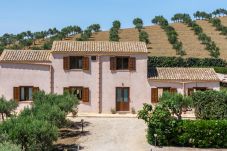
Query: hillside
x=160 y=45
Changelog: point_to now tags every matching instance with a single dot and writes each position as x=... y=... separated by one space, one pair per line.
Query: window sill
x=28 y=101
x=126 y=70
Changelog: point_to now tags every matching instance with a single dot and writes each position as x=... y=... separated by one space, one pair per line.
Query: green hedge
x=222 y=70
x=210 y=104
x=185 y=62
x=202 y=133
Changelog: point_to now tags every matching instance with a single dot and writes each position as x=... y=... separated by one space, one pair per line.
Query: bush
x=30 y=133
x=202 y=133
x=210 y=104
x=144 y=37
x=8 y=146
x=6 y=107
x=176 y=103
x=222 y=70
x=185 y=62
x=117 y=24
x=114 y=34
x=65 y=102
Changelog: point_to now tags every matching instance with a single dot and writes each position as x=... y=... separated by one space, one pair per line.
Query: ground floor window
x=77 y=91
x=82 y=93
x=194 y=89
x=157 y=92
x=25 y=93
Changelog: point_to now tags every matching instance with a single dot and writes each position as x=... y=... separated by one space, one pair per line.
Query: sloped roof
x=99 y=46
x=25 y=56
x=199 y=74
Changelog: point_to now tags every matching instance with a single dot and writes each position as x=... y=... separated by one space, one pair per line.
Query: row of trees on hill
x=206 y=40
x=44 y=39
x=171 y=33
x=30 y=39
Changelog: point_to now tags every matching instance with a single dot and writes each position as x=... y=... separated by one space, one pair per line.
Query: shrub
x=138 y=22
x=117 y=24
x=114 y=34
x=210 y=104
x=65 y=102
x=144 y=37
x=222 y=70
x=185 y=62
x=6 y=107
x=176 y=103
x=30 y=133
x=202 y=133
x=8 y=146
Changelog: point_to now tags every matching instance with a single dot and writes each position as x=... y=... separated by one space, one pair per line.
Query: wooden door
x=154 y=95
x=122 y=99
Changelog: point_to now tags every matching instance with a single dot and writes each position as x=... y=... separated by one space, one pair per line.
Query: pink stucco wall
x=82 y=78
x=14 y=75
x=136 y=80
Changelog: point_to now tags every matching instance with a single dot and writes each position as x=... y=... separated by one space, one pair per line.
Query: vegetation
x=165 y=129
x=8 y=146
x=171 y=33
x=138 y=22
x=36 y=128
x=210 y=104
x=206 y=40
x=113 y=34
x=6 y=107
x=185 y=62
x=144 y=37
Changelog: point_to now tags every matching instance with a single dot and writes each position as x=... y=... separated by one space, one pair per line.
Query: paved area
x=114 y=134
x=120 y=134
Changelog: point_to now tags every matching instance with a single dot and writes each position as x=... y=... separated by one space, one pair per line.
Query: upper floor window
x=75 y=62
x=122 y=63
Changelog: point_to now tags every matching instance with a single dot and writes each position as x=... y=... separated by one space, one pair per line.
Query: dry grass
x=160 y=45
x=215 y=35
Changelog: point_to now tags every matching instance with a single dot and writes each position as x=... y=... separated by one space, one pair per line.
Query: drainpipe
x=100 y=84
x=51 y=79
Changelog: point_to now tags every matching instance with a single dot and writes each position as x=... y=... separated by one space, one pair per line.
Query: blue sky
x=35 y=15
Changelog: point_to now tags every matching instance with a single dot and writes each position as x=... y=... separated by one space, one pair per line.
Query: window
x=93 y=58
x=76 y=62
x=122 y=63
x=77 y=91
x=26 y=93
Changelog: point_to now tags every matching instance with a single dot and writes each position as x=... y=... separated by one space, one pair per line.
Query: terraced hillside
x=159 y=44
x=191 y=44
x=215 y=35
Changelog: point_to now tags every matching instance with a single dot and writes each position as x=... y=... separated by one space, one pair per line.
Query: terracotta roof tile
x=25 y=56
x=99 y=46
x=200 y=74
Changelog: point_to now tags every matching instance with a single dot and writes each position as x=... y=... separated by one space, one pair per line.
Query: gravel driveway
x=120 y=134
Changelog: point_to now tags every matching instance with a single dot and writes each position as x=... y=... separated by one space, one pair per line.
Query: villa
x=103 y=75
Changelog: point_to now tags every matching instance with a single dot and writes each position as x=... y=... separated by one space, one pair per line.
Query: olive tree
x=117 y=24
x=144 y=37
x=138 y=22
x=6 y=107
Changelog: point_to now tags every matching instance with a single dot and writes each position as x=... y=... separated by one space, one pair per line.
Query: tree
x=6 y=107
x=113 y=36
x=144 y=37
x=94 y=27
x=117 y=24
x=176 y=103
x=138 y=22
x=30 y=133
